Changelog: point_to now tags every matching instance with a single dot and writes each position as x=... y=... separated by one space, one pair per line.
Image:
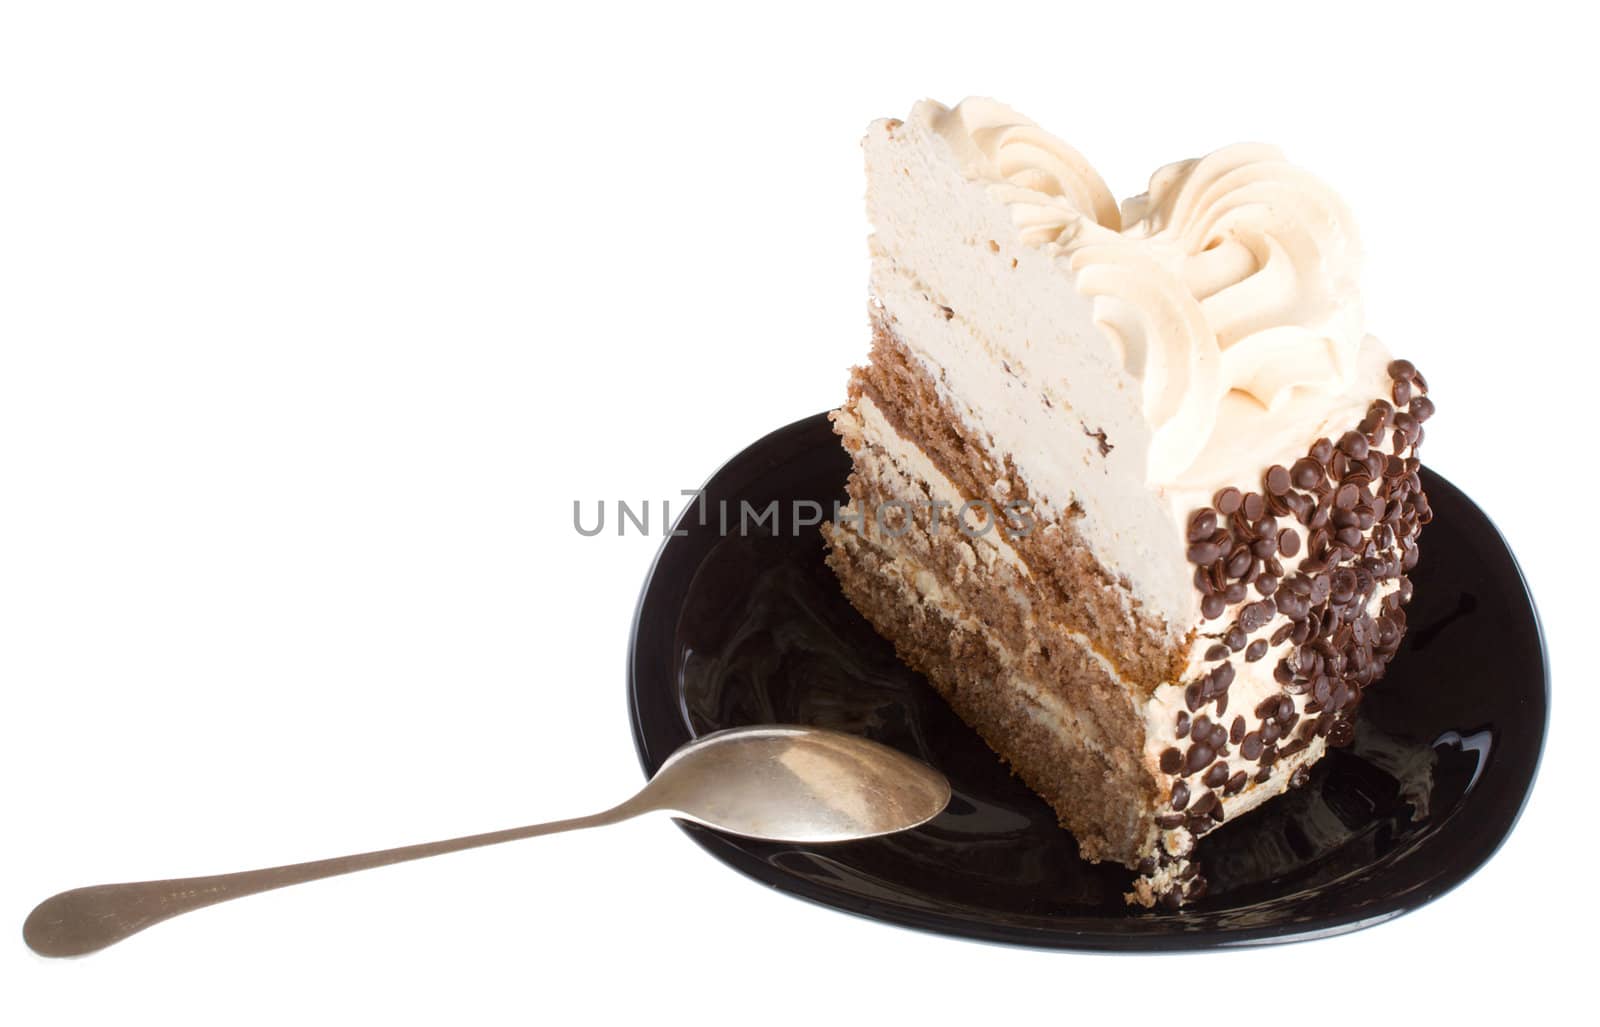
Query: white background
x=317 y=318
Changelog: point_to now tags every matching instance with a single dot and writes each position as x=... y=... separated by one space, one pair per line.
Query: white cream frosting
x=1229 y=289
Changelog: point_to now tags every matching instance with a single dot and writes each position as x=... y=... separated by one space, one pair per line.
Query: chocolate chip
x=1254 y=507
x=1203 y=553
x=1421 y=408
x=1227 y=501
x=1288 y=542
x=1263 y=775
x=1239 y=562
x=1198 y=758
x=1250 y=746
x=1201 y=524
x=1404 y=425
x=1277 y=480
x=1266 y=584
x=1223 y=676
x=1256 y=651
x=1211 y=607
x=1354 y=445
x=1205 y=804
x=1402 y=369
x=1402 y=393
x=1192 y=697
x=1235 y=593
x=1236 y=730
x=1183 y=724
x=1280 y=636
x=1235 y=783
x=1256 y=615
x=1180 y=795
x=1171 y=761
x=1168 y=821
x=1307 y=473
x=1345 y=498
x=1218 y=652
x=1234 y=638
x=1217 y=776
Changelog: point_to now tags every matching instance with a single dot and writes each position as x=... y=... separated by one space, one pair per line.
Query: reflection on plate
x=735 y=630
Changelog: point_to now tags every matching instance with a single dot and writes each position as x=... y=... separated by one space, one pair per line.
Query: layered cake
x=1132 y=486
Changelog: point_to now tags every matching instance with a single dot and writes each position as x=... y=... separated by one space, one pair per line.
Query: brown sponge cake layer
x=1095 y=798
x=1073 y=587
x=971 y=619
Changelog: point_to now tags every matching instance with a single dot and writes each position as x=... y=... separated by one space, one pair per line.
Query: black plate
x=749 y=629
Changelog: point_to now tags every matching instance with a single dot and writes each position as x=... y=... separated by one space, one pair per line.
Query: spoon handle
x=84 y=920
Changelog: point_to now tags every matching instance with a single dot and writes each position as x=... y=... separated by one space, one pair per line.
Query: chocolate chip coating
x=1320 y=556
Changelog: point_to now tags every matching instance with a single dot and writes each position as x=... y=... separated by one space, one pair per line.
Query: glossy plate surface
x=742 y=629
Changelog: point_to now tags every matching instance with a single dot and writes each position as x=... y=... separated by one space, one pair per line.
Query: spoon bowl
x=797 y=784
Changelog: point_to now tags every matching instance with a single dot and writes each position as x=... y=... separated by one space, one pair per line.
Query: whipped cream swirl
x=1229 y=288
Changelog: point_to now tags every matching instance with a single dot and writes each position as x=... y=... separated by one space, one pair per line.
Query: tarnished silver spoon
x=783 y=783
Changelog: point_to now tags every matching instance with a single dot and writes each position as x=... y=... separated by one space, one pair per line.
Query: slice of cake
x=1132 y=487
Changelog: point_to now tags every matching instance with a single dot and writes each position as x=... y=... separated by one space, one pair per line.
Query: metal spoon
x=794 y=784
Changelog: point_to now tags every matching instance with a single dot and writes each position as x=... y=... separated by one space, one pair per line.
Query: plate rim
x=949 y=924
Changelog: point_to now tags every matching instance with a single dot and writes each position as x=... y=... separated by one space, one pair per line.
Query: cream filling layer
x=909 y=471
x=914 y=464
